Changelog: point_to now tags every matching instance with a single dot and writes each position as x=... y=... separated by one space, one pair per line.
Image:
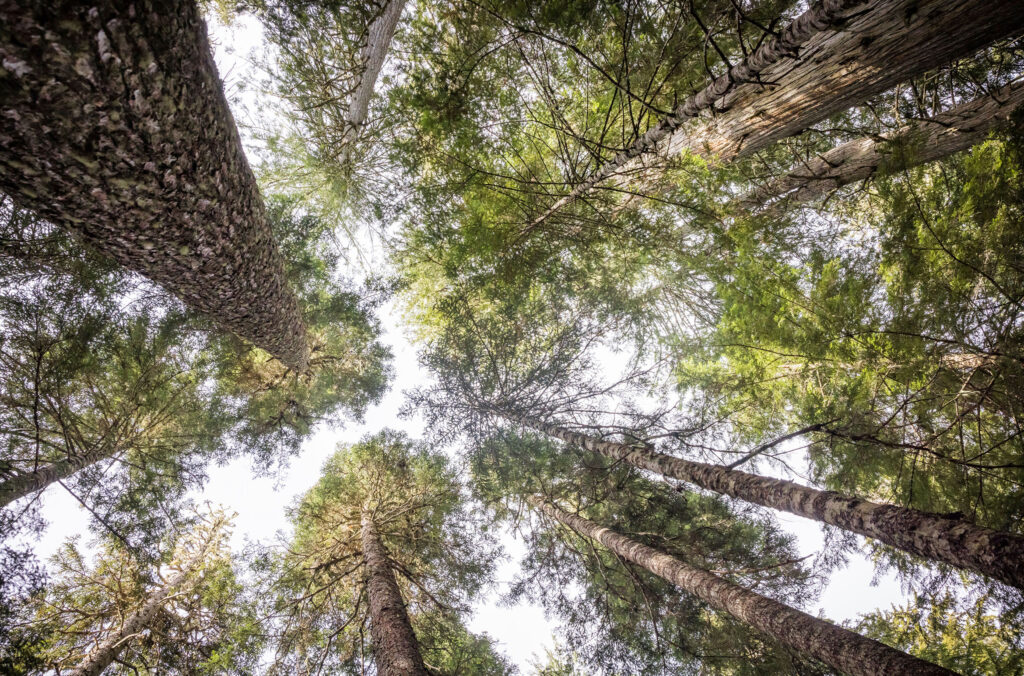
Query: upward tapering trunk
x=378 y=40
x=105 y=654
x=932 y=139
x=951 y=540
x=27 y=483
x=115 y=127
x=839 y=648
x=395 y=649
x=855 y=51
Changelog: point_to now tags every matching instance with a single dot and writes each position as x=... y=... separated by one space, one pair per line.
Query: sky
x=522 y=631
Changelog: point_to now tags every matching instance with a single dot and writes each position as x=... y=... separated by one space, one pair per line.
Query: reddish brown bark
x=839 y=648
x=951 y=540
x=395 y=649
x=947 y=133
x=879 y=44
x=114 y=126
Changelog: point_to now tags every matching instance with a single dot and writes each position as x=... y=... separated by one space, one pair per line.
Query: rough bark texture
x=950 y=132
x=839 y=648
x=395 y=649
x=32 y=482
x=820 y=16
x=104 y=654
x=862 y=50
x=952 y=540
x=378 y=40
x=114 y=126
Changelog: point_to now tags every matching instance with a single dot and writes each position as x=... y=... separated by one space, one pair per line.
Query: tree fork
x=950 y=132
x=837 y=647
x=395 y=649
x=952 y=540
x=116 y=128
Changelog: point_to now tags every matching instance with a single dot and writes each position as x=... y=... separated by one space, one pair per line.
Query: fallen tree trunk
x=115 y=127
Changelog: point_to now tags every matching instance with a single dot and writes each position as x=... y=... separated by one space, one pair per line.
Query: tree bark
x=395 y=649
x=858 y=51
x=115 y=127
x=27 y=483
x=932 y=139
x=108 y=650
x=379 y=37
x=837 y=647
x=951 y=540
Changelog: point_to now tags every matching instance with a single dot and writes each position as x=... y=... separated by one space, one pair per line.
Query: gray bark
x=26 y=483
x=837 y=647
x=105 y=654
x=378 y=40
x=952 y=540
x=844 y=62
x=115 y=127
x=957 y=129
x=395 y=649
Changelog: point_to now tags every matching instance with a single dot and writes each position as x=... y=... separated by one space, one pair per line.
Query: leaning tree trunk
x=951 y=540
x=395 y=649
x=114 y=126
x=956 y=129
x=837 y=647
x=105 y=654
x=26 y=483
x=378 y=40
x=859 y=50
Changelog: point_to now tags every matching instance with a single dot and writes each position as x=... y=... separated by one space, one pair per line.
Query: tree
x=164 y=192
x=384 y=539
x=180 y=617
x=833 y=645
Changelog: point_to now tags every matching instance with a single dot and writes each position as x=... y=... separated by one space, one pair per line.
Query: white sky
x=522 y=631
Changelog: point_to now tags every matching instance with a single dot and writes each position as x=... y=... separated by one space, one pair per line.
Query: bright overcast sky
x=522 y=631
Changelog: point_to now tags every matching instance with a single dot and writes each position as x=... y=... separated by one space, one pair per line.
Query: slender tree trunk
x=31 y=482
x=395 y=649
x=381 y=32
x=839 y=648
x=951 y=540
x=104 y=655
x=945 y=134
x=855 y=51
x=116 y=128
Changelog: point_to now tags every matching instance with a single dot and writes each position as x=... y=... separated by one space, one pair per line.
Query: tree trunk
x=381 y=31
x=108 y=650
x=115 y=127
x=945 y=134
x=879 y=44
x=951 y=540
x=27 y=483
x=839 y=648
x=395 y=649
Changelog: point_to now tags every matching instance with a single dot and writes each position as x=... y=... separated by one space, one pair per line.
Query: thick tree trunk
x=31 y=482
x=114 y=126
x=932 y=139
x=378 y=40
x=951 y=540
x=395 y=649
x=879 y=44
x=104 y=654
x=839 y=648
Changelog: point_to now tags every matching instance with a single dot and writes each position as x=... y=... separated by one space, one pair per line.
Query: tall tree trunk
x=837 y=647
x=951 y=540
x=395 y=649
x=31 y=482
x=879 y=44
x=115 y=127
x=104 y=654
x=932 y=139
x=378 y=40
